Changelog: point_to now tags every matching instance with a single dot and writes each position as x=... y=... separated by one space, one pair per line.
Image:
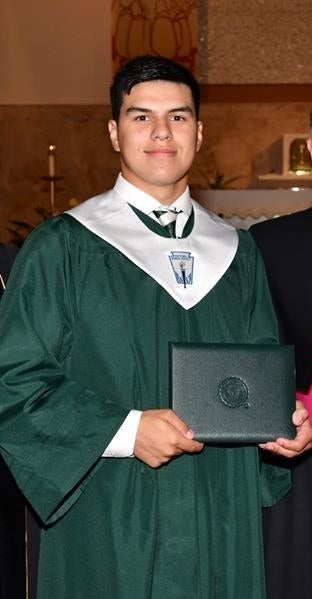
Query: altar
x=244 y=207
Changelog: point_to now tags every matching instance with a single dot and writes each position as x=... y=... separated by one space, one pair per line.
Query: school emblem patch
x=182 y=265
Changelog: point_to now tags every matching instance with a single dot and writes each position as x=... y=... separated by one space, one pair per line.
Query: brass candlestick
x=51 y=177
x=52 y=183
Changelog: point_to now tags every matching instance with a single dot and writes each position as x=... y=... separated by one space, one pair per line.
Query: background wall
x=259 y=41
x=55 y=71
x=54 y=52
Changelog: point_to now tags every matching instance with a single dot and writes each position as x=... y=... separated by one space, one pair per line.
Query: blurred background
x=57 y=60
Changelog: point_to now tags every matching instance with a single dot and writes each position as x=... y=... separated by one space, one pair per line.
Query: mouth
x=160 y=153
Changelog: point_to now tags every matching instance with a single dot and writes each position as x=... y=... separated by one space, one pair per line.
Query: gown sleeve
x=52 y=430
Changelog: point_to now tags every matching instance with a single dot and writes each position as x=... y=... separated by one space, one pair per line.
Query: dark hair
x=150 y=68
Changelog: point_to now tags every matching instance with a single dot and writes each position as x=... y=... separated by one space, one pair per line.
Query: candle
x=51 y=158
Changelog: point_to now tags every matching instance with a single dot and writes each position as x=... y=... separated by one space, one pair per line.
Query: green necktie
x=167 y=219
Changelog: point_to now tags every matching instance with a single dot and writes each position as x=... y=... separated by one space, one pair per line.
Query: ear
x=199 y=135
x=113 y=133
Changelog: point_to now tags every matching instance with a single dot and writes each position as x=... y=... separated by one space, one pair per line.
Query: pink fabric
x=306 y=399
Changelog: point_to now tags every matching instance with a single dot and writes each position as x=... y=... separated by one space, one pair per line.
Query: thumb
x=180 y=425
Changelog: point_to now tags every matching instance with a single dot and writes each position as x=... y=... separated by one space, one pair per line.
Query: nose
x=161 y=130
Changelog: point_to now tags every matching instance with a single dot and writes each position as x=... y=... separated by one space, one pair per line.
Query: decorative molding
x=292 y=92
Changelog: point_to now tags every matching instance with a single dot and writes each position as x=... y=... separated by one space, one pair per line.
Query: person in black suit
x=12 y=511
x=286 y=247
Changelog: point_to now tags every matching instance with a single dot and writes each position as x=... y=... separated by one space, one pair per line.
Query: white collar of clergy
x=186 y=268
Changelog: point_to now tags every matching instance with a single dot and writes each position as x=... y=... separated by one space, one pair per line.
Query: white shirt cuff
x=122 y=444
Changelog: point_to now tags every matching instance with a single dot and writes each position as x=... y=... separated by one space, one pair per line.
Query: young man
x=132 y=506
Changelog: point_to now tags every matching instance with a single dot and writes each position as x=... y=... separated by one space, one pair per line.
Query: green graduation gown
x=84 y=339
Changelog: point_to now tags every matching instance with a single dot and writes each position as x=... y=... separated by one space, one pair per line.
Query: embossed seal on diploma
x=233 y=392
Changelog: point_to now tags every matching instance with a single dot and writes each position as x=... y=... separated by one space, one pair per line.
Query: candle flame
x=52 y=149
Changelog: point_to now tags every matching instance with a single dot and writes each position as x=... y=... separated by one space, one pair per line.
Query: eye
x=141 y=117
x=177 y=117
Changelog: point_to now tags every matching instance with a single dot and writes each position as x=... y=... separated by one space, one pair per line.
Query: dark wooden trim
x=288 y=92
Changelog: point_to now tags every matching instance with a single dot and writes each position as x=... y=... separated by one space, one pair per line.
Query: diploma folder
x=230 y=393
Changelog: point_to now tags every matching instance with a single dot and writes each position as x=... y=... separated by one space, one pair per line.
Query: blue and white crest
x=182 y=264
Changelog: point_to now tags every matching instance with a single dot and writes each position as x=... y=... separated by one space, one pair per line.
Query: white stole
x=204 y=255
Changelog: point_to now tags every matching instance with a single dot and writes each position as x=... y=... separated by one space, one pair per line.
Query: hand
x=309 y=145
x=161 y=436
x=290 y=448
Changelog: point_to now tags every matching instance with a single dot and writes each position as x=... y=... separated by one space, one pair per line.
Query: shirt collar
x=146 y=203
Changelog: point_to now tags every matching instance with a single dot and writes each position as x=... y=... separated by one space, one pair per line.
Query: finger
x=179 y=424
x=273 y=447
x=190 y=446
x=300 y=416
x=287 y=447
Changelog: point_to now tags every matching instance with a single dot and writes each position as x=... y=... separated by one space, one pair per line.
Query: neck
x=166 y=194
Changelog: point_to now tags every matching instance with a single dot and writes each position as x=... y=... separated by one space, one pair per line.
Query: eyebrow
x=184 y=108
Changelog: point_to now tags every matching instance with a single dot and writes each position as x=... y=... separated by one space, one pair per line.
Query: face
x=157 y=136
